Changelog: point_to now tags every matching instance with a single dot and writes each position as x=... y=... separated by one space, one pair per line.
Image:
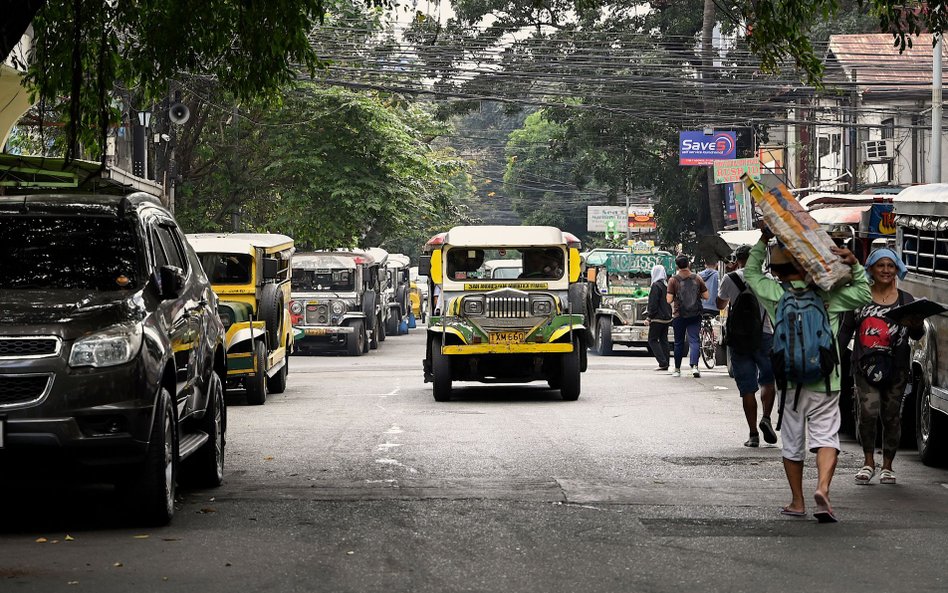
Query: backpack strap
x=736 y=279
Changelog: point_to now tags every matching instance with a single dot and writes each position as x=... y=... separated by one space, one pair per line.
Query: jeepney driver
x=542 y=263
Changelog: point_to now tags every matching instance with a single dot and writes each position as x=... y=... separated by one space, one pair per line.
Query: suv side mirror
x=424 y=265
x=271 y=268
x=170 y=282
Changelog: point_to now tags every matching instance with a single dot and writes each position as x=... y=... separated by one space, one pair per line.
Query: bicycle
x=707 y=343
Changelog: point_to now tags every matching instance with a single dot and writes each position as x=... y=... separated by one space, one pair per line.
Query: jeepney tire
x=277 y=383
x=931 y=426
x=570 y=374
x=271 y=311
x=374 y=340
x=257 y=385
x=604 y=336
x=355 y=342
x=153 y=492
x=205 y=467
x=383 y=330
x=441 y=369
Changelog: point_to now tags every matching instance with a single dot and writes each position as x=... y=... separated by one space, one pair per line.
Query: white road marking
x=388 y=445
x=394 y=430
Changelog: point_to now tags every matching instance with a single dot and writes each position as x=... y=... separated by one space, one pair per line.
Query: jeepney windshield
x=323 y=279
x=536 y=263
x=634 y=284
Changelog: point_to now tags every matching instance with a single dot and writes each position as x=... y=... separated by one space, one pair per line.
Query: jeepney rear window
x=542 y=263
x=925 y=252
x=323 y=279
x=227 y=268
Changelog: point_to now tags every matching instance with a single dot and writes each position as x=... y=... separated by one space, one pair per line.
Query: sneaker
x=676 y=373
x=770 y=436
x=695 y=372
x=753 y=441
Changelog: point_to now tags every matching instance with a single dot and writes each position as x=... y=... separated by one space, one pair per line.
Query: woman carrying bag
x=880 y=362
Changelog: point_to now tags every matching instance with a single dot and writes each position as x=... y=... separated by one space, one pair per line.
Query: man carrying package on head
x=806 y=362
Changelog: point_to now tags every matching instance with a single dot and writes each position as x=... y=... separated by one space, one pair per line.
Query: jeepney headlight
x=541 y=305
x=626 y=306
x=338 y=307
x=296 y=307
x=473 y=305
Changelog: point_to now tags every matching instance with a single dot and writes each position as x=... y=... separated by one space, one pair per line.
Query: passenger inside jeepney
x=542 y=264
x=463 y=264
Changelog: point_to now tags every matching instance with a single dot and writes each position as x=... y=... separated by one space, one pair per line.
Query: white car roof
x=335 y=259
x=504 y=236
x=398 y=260
x=930 y=192
x=235 y=242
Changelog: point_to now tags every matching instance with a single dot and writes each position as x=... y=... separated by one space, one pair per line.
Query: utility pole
x=715 y=207
x=936 y=110
x=628 y=231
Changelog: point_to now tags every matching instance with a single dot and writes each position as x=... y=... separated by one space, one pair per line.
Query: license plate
x=316 y=332
x=507 y=337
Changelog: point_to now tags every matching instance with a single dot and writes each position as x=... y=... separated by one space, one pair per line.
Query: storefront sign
x=605 y=218
x=697 y=148
x=642 y=220
x=730 y=171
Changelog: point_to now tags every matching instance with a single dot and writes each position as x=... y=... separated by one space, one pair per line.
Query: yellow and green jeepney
x=504 y=330
x=250 y=272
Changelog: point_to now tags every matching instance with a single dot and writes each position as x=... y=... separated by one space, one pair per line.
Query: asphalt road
x=355 y=479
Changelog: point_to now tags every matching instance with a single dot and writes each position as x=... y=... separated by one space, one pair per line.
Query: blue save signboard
x=697 y=148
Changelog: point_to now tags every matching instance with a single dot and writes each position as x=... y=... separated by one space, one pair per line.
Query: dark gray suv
x=111 y=349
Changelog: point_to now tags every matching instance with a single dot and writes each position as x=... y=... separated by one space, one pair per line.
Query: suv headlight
x=541 y=305
x=113 y=346
x=473 y=305
x=338 y=307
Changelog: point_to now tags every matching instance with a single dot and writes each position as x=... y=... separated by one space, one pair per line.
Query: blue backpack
x=804 y=345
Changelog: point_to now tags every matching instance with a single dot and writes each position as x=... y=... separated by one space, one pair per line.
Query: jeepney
x=503 y=269
x=250 y=272
x=921 y=220
x=503 y=330
x=334 y=304
x=397 y=289
x=622 y=284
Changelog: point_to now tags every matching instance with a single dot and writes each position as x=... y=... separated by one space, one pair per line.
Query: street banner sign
x=730 y=171
x=696 y=148
x=642 y=220
x=606 y=218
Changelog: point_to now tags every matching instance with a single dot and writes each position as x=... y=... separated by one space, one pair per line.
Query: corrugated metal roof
x=879 y=67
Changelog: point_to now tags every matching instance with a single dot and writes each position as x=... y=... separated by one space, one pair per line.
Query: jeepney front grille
x=16 y=390
x=29 y=346
x=501 y=307
x=317 y=314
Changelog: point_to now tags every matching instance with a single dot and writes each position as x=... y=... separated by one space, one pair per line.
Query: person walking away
x=880 y=362
x=685 y=291
x=659 y=314
x=711 y=279
x=750 y=337
x=814 y=413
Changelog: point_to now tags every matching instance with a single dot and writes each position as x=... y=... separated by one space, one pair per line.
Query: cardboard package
x=801 y=235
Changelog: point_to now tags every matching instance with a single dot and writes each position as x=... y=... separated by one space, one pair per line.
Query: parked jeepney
x=334 y=302
x=921 y=220
x=250 y=272
x=623 y=282
x=397 y=289
x=504 y=330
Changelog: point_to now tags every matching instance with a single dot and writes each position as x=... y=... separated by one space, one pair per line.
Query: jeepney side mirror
x=271 y=268
x=424 y=265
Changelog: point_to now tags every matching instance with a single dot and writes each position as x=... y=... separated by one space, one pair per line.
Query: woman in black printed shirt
x=880 y=362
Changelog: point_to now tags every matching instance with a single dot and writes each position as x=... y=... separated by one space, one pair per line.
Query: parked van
x=504 y=330
x=921 y=219
x=250 y=272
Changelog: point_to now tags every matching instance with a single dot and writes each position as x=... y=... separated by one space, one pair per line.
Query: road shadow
x=501 y=393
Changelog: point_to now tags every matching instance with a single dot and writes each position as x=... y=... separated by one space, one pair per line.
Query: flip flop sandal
x=887 y=477
x=791 y=513
x=865 y=474
x=823 y=514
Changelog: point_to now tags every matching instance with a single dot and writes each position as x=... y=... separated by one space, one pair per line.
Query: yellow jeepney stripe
x=507 y=349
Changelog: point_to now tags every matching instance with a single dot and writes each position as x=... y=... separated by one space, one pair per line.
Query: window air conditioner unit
x=878 y=150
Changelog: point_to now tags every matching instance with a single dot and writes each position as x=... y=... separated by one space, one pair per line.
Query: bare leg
x=768 y=394
x=825 y=467
x=794 y=471
x=750 y=411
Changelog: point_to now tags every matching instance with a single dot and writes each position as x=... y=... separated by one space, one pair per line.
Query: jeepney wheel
x=570 y=374
x=257 y=385
x=355 y=342
x=441 y=369
x=604 y=336
x=391 y=326
x=931 y=427
x=381 y=329
x=277 y=383
x=271 y=311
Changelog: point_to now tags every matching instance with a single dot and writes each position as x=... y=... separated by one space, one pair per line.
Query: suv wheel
x=355 y=342
x=155 y=489
x=205 y=467
x=257 y=385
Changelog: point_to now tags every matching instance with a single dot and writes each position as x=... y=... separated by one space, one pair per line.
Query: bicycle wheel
x=708 y=346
